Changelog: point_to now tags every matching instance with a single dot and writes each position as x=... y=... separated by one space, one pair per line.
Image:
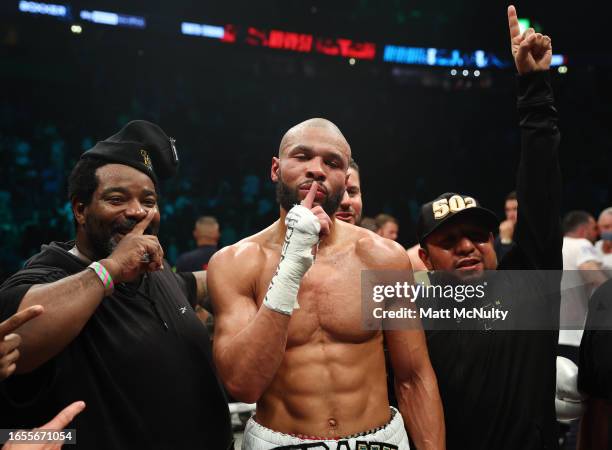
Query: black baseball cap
x=447 y=207
x=141 y=145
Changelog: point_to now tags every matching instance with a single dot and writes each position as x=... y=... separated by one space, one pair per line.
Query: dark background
x=415 y=131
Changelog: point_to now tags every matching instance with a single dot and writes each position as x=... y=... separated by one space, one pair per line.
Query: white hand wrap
x=302 y=234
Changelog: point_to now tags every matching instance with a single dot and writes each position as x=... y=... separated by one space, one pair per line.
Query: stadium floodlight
x=47 y=9
x=197 y=29
x=113 y=19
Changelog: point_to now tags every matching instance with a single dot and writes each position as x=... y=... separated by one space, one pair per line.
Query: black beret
x=141 y=145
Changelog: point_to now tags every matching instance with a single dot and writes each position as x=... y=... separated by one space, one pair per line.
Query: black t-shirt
x=142 y=364
x=595 y=368
x=196 y=259
x=498 y=387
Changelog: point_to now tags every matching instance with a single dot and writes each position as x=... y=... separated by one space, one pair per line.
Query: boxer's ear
x=275 y=169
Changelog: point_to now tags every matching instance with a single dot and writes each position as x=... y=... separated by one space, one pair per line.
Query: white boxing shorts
x=392 y=436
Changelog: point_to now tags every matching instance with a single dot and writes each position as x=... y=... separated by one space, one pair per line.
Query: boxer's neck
x=281 y=229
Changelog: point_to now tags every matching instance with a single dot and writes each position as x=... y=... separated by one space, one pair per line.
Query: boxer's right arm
x=249 y=342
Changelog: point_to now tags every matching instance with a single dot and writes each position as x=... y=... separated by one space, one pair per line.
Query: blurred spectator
x=387 y=226
x=604 y=245
x=504 y=240
x=581 y=274
x=206 y=234
x=351 y=205
x=369 y=224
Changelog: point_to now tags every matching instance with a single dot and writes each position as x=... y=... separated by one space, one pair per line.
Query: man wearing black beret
x=118 y=331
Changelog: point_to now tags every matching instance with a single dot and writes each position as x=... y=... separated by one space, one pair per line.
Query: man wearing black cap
x=498 y=387
x=118 y=331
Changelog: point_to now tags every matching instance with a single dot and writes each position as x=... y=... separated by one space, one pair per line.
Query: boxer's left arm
x=416 y=386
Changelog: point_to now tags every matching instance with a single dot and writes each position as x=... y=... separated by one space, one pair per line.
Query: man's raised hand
x=531 y=51
x=136 y=253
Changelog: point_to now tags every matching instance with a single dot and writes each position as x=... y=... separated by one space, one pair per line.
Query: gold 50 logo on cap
x=443 y=207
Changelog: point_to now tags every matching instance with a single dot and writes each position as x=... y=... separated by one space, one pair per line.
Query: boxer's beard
x=103 y=238
x=288 y=197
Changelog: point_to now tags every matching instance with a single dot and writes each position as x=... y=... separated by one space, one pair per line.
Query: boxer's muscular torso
x=331 y=381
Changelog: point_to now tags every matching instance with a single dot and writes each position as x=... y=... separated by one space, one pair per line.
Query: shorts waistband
x=350 y=436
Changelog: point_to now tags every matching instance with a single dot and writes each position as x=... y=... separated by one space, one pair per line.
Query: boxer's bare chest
x=329 y=298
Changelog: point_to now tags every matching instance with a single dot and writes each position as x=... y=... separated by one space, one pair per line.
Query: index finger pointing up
x=513 y=23
x=309 y=199
x=141 y=226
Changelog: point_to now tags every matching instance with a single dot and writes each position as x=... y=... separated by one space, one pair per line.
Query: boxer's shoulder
x=245 y=254
x=380 y=253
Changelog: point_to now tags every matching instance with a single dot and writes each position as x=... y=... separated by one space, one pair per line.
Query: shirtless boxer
x=315 y=374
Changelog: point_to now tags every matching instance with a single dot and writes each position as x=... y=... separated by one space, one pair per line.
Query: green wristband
x=104 y=276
